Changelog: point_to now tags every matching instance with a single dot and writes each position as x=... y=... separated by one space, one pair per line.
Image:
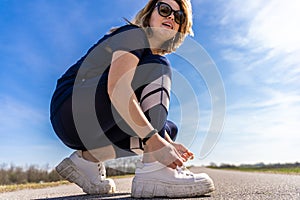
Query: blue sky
x=254 y=44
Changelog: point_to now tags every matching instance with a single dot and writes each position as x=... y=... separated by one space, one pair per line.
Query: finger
x=172 y=165
x=192 y=157
x=178 y=162
x=191 y=154
x=185 y=156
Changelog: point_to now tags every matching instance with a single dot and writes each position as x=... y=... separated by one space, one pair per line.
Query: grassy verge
x=10 y=188
x=292 y=170
x=121 y=176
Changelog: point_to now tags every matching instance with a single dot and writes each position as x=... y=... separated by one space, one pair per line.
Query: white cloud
x=262 y=130
x=265 y=39
x=273 y=24
x=260 y=41
x=276 y=25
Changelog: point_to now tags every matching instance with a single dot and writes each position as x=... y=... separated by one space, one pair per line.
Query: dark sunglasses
x=165 y=10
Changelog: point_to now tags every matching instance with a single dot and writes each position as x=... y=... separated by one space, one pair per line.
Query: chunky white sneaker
x=90 y=176
x=156 y=180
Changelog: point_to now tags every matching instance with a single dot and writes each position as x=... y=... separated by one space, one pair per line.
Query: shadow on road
x=90 y=197
x=124 y=196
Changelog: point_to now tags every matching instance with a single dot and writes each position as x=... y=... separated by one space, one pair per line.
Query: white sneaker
x=156 y=180
x=90 y=176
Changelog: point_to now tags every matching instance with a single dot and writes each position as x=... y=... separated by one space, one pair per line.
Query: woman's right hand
x=158 y=149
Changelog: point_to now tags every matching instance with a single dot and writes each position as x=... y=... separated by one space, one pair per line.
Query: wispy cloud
x=276 y=25
x=262 y=36
x=260 y=42
x=26 y=135
x=19 y=122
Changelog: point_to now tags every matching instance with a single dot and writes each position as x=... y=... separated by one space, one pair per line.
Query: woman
x=114 y=102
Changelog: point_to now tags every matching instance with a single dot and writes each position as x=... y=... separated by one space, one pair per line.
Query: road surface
x=231 y=185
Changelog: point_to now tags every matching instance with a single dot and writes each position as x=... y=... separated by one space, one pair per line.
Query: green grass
x=10 y=188
x=121 y=176
x=290 y=170
x=15 y=187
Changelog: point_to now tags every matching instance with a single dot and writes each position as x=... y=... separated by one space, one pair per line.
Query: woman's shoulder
x=155 y=58
x=126 y=27
x=131 y=35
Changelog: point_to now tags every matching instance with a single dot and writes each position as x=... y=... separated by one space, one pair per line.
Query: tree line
x=33 y=174
x=260 y=165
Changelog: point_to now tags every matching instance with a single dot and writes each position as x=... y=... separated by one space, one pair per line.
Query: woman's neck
x=155 y=45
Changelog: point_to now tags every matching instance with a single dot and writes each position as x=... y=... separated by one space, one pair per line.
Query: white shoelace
x=183 y=170
x=102 y=172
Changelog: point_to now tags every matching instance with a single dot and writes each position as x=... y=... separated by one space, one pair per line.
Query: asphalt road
x=229 y=185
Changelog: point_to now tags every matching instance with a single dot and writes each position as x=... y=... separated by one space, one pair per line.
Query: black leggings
x=154 y=101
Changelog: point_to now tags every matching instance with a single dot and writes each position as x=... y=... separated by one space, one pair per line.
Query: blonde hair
x=142 y=20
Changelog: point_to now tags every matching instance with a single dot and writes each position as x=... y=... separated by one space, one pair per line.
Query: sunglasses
x=165 y=10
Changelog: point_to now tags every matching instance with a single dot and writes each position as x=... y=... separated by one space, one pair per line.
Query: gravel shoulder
x=229 y=185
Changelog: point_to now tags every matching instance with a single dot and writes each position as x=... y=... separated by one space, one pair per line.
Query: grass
x=15 y=187
x=121 y=176
x=10 y=188
x=284 y=170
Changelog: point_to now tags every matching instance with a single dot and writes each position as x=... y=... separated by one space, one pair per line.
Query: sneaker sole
x=70 y=172
x=155 y=188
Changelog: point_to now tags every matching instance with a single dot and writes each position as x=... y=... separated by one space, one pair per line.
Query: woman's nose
x=171 y=16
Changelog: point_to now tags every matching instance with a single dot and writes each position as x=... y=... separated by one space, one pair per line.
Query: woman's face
x=166 y=25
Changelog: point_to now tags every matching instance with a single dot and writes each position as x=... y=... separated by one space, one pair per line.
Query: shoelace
x=102 y=171
x=183 y=170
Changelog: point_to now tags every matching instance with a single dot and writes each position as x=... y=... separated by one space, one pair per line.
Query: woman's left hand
x=183 y=151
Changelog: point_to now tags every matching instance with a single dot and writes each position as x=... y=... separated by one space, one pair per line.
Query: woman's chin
x=164 y=33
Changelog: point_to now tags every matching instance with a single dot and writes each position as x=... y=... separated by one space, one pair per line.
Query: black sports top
x=92 y=69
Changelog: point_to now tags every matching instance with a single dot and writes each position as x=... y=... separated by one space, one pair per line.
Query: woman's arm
x=122 y=95
x=124 y=100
